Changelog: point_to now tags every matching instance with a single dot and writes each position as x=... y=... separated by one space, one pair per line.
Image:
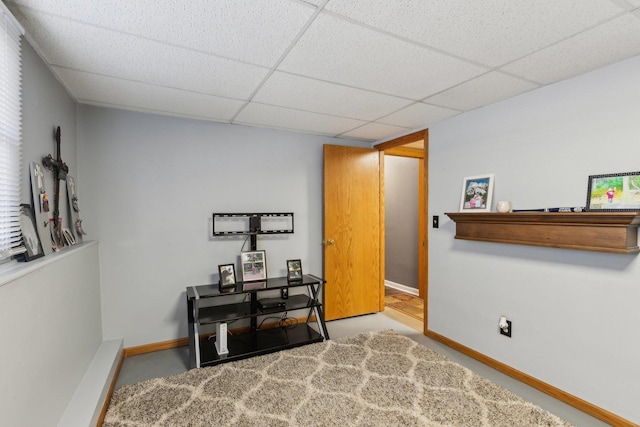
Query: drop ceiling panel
x=491 y=32
x=487 y=89
x=110 y=92
x=375 y=131
x=302 y=93
x=255 y=31
x=362 y=68
x=418 y=115
x=611 y=42
x=73 y=45
x=334 y=50
x=285 y=118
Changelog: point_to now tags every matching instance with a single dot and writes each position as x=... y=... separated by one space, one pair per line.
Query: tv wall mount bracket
x=252 y=224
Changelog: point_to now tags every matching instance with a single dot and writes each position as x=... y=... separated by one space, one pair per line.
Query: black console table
x=207 y=307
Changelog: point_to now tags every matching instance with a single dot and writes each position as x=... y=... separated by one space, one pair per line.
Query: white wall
x=50 y=329
x=150 y=184
x=575 y=313
x=50 y=317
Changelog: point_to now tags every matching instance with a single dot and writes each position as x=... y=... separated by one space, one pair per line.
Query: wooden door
x=353 y=245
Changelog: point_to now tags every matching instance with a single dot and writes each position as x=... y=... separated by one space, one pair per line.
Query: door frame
x=397 y=147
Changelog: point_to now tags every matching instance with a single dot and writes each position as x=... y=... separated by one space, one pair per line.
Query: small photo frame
x=30 y=237
x=227 y=276
x=477 y=193
x=615 y=192
x=294 y=270
x=254 y=265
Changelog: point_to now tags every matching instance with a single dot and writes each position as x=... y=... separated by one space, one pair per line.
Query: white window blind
x=10 y=132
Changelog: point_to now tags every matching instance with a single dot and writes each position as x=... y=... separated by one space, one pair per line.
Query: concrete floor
x=175 y=361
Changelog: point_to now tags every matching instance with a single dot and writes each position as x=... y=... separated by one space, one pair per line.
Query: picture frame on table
x=227 y=276
x=254 y=265
x=30 y=237
x=477 y=193
x=294 y=270
x=614 y=192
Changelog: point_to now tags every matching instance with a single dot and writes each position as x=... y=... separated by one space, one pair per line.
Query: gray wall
x=50 y=314
x=401 y=220
x=575 y=313
x=149 y=186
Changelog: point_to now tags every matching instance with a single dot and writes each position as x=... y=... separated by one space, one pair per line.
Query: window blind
x=10 y=132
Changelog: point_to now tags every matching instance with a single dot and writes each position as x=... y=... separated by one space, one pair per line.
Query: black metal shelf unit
x=206 y=305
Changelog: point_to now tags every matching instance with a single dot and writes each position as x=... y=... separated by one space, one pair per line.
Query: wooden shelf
x=593 y=231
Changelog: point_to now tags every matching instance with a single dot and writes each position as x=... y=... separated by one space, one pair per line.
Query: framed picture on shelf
x=254 y=265
x=294 y=270
x=227 y=276
x=615 y=192
x=477 y=193
x=30 y=237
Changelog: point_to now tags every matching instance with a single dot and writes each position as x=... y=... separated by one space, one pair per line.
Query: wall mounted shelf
x=594 y=231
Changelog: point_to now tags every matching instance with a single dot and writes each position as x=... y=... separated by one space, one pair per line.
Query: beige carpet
x=371 y=379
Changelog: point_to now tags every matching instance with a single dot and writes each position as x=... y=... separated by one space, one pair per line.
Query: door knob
x=330 y=242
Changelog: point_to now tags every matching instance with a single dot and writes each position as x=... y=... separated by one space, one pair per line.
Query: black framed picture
x=227 y=276
x=30 y=237
x=294 y=270
x=615 y=192
x=254 y=265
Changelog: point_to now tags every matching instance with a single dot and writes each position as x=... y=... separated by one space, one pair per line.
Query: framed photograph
x=30 y=237
x=227 y=276
x=254 y=265
x=294 y=270
x=614 y=192
x=477 y=193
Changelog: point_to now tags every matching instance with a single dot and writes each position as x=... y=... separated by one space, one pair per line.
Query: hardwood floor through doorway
x=408 y=304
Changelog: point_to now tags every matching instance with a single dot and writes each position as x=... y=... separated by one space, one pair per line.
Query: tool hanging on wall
x=74 y=209
x=60 y=170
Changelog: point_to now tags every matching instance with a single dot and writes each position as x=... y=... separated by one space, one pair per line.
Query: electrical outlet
x=506 y=331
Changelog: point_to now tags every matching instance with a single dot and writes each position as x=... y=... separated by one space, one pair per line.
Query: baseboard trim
x=403 y=288
x=112 y=387
x=157 y=346
x=569 y=399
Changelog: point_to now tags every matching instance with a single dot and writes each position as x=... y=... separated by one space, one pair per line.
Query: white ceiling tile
x=611 y=42
x=418 y=115
x=73 y=45
x=107 y=91
x=491 y=32
x=374 y=132
x=335 y=50
x=362 y=68
x=484 y=90
x=302 y=93
x=255 y=31
x=285 y=118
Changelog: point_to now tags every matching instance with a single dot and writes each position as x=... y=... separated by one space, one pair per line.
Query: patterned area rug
x=371 y=379
x=407 y=304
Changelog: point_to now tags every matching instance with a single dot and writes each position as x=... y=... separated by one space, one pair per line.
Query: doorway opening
x=404 y=235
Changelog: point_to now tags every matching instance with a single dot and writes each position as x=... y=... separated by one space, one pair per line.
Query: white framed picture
x=254 y=265
x=477 y=193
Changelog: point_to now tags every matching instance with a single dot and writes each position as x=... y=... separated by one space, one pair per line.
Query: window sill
x=14 y=270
